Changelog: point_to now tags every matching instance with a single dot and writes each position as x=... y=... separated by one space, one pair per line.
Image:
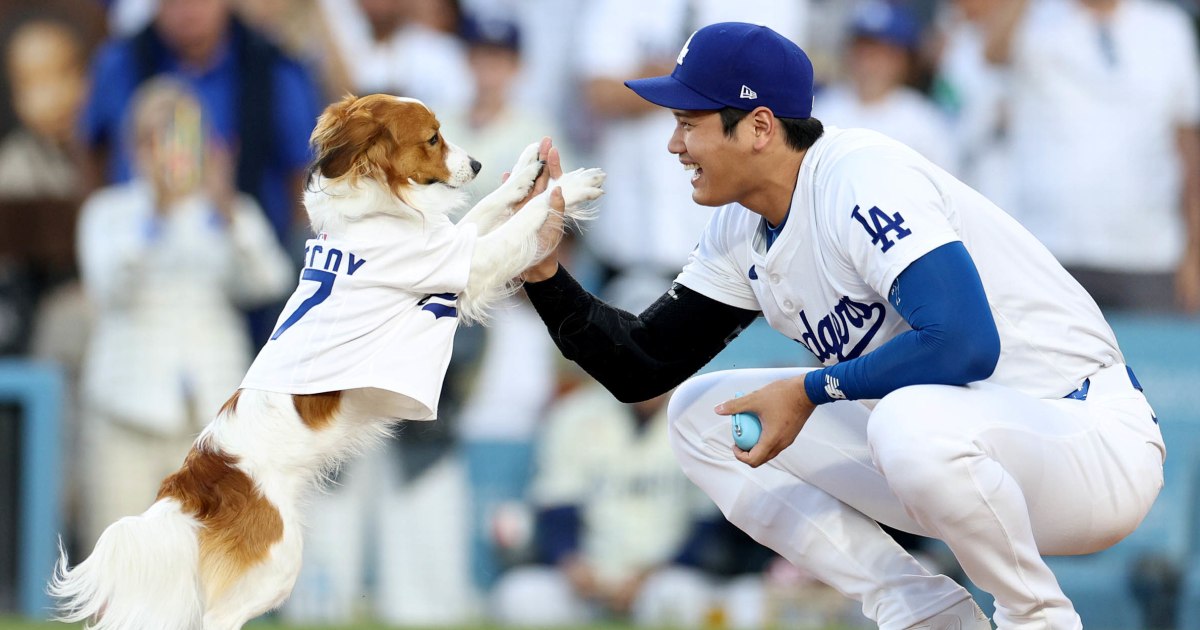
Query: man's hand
x=552 y=230
x=220 y=179
x=783 y=407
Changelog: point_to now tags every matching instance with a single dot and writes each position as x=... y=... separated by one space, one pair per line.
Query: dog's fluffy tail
x=142 y=575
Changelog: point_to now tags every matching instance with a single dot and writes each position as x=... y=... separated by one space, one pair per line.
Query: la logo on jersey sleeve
x=880 y=224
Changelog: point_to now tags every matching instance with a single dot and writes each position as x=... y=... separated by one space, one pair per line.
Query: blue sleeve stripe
x=953 y=340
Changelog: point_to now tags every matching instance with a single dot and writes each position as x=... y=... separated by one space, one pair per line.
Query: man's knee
x=690 y=410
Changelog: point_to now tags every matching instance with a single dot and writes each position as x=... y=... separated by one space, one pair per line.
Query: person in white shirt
x=976 y=95
x=516 y=376
x=1105 y=115
x=166 y=260
x=963 y=366
x=880 y=57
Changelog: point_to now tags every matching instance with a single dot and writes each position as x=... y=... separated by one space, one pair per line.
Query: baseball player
x=971 y=389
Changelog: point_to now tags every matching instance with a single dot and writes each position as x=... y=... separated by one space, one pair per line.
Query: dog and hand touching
x=363 y=343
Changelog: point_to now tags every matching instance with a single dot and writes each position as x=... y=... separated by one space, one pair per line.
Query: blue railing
x=38 y=388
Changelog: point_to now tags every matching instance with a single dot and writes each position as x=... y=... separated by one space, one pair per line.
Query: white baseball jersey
x=864 y=208
x=375 y=307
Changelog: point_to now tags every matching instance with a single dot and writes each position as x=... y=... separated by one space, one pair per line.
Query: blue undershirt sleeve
x=953 y=340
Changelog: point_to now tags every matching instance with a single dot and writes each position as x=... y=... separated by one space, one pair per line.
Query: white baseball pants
x=1000 y=476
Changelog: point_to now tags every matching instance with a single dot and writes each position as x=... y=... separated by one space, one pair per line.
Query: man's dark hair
x=800 y=133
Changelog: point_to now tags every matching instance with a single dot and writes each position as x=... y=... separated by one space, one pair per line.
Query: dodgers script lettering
x=834 y=332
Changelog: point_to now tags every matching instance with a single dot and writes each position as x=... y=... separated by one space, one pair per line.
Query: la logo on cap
x=683 y=53
x=748 y=93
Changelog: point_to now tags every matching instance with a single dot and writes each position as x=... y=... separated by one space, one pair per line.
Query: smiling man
x=972 y=390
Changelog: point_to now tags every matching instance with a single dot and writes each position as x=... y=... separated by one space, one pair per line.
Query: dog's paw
x=523 y=175
x=580 y=187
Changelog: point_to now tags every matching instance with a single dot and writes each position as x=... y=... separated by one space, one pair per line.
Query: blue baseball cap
x=887 y=22
x=734 y=64
x=486 y=31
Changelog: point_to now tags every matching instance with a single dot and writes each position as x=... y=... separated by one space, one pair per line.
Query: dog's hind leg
x=260 y=589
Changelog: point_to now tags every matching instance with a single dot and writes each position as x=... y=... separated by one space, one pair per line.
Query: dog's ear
x=344 y=130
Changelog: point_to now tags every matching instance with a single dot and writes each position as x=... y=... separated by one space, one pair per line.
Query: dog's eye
x=433 y=141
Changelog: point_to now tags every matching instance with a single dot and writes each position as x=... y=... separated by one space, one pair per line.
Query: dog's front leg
x=497 y=206
x=503 y=253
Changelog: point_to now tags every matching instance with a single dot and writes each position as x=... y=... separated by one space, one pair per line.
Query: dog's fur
x=222 y=543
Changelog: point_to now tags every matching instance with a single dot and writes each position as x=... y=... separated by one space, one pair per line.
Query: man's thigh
x=830 y=452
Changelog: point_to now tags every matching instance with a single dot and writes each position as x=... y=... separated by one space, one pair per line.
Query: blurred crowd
x=152 y=154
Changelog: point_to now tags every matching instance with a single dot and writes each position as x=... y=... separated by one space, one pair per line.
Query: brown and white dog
x=222 y=542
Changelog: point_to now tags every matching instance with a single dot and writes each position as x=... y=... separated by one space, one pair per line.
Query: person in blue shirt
x=262 y=105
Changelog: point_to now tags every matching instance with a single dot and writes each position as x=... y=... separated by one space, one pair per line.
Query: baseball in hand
x=746 y=428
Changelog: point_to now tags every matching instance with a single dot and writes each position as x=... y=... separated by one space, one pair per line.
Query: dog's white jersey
x=375 y=308
x=851 y=231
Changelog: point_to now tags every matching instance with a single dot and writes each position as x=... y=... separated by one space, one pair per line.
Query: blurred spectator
x=261 y=104
x=876 y=94
x=492 y=128
x=515 y=381
x=398 y=47
x=976 y=95
x=46 y=63
x=45 y=47
x=827 y=38
x=165 y=258
x=548 y=86
x=515 y=378
x=1105 y=108
x=40 y=178
x=298 y=27
x=648 y=221
x=613 y=512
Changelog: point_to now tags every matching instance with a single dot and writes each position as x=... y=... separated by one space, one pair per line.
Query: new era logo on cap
x=718 y=64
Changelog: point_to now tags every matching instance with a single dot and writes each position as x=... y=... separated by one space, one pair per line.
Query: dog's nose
x=475 y=166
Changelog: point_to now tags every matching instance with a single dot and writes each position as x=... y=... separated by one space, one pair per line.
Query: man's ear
x=763 y=125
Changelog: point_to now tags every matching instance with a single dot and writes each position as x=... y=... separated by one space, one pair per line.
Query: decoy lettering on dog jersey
x=319 y=257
